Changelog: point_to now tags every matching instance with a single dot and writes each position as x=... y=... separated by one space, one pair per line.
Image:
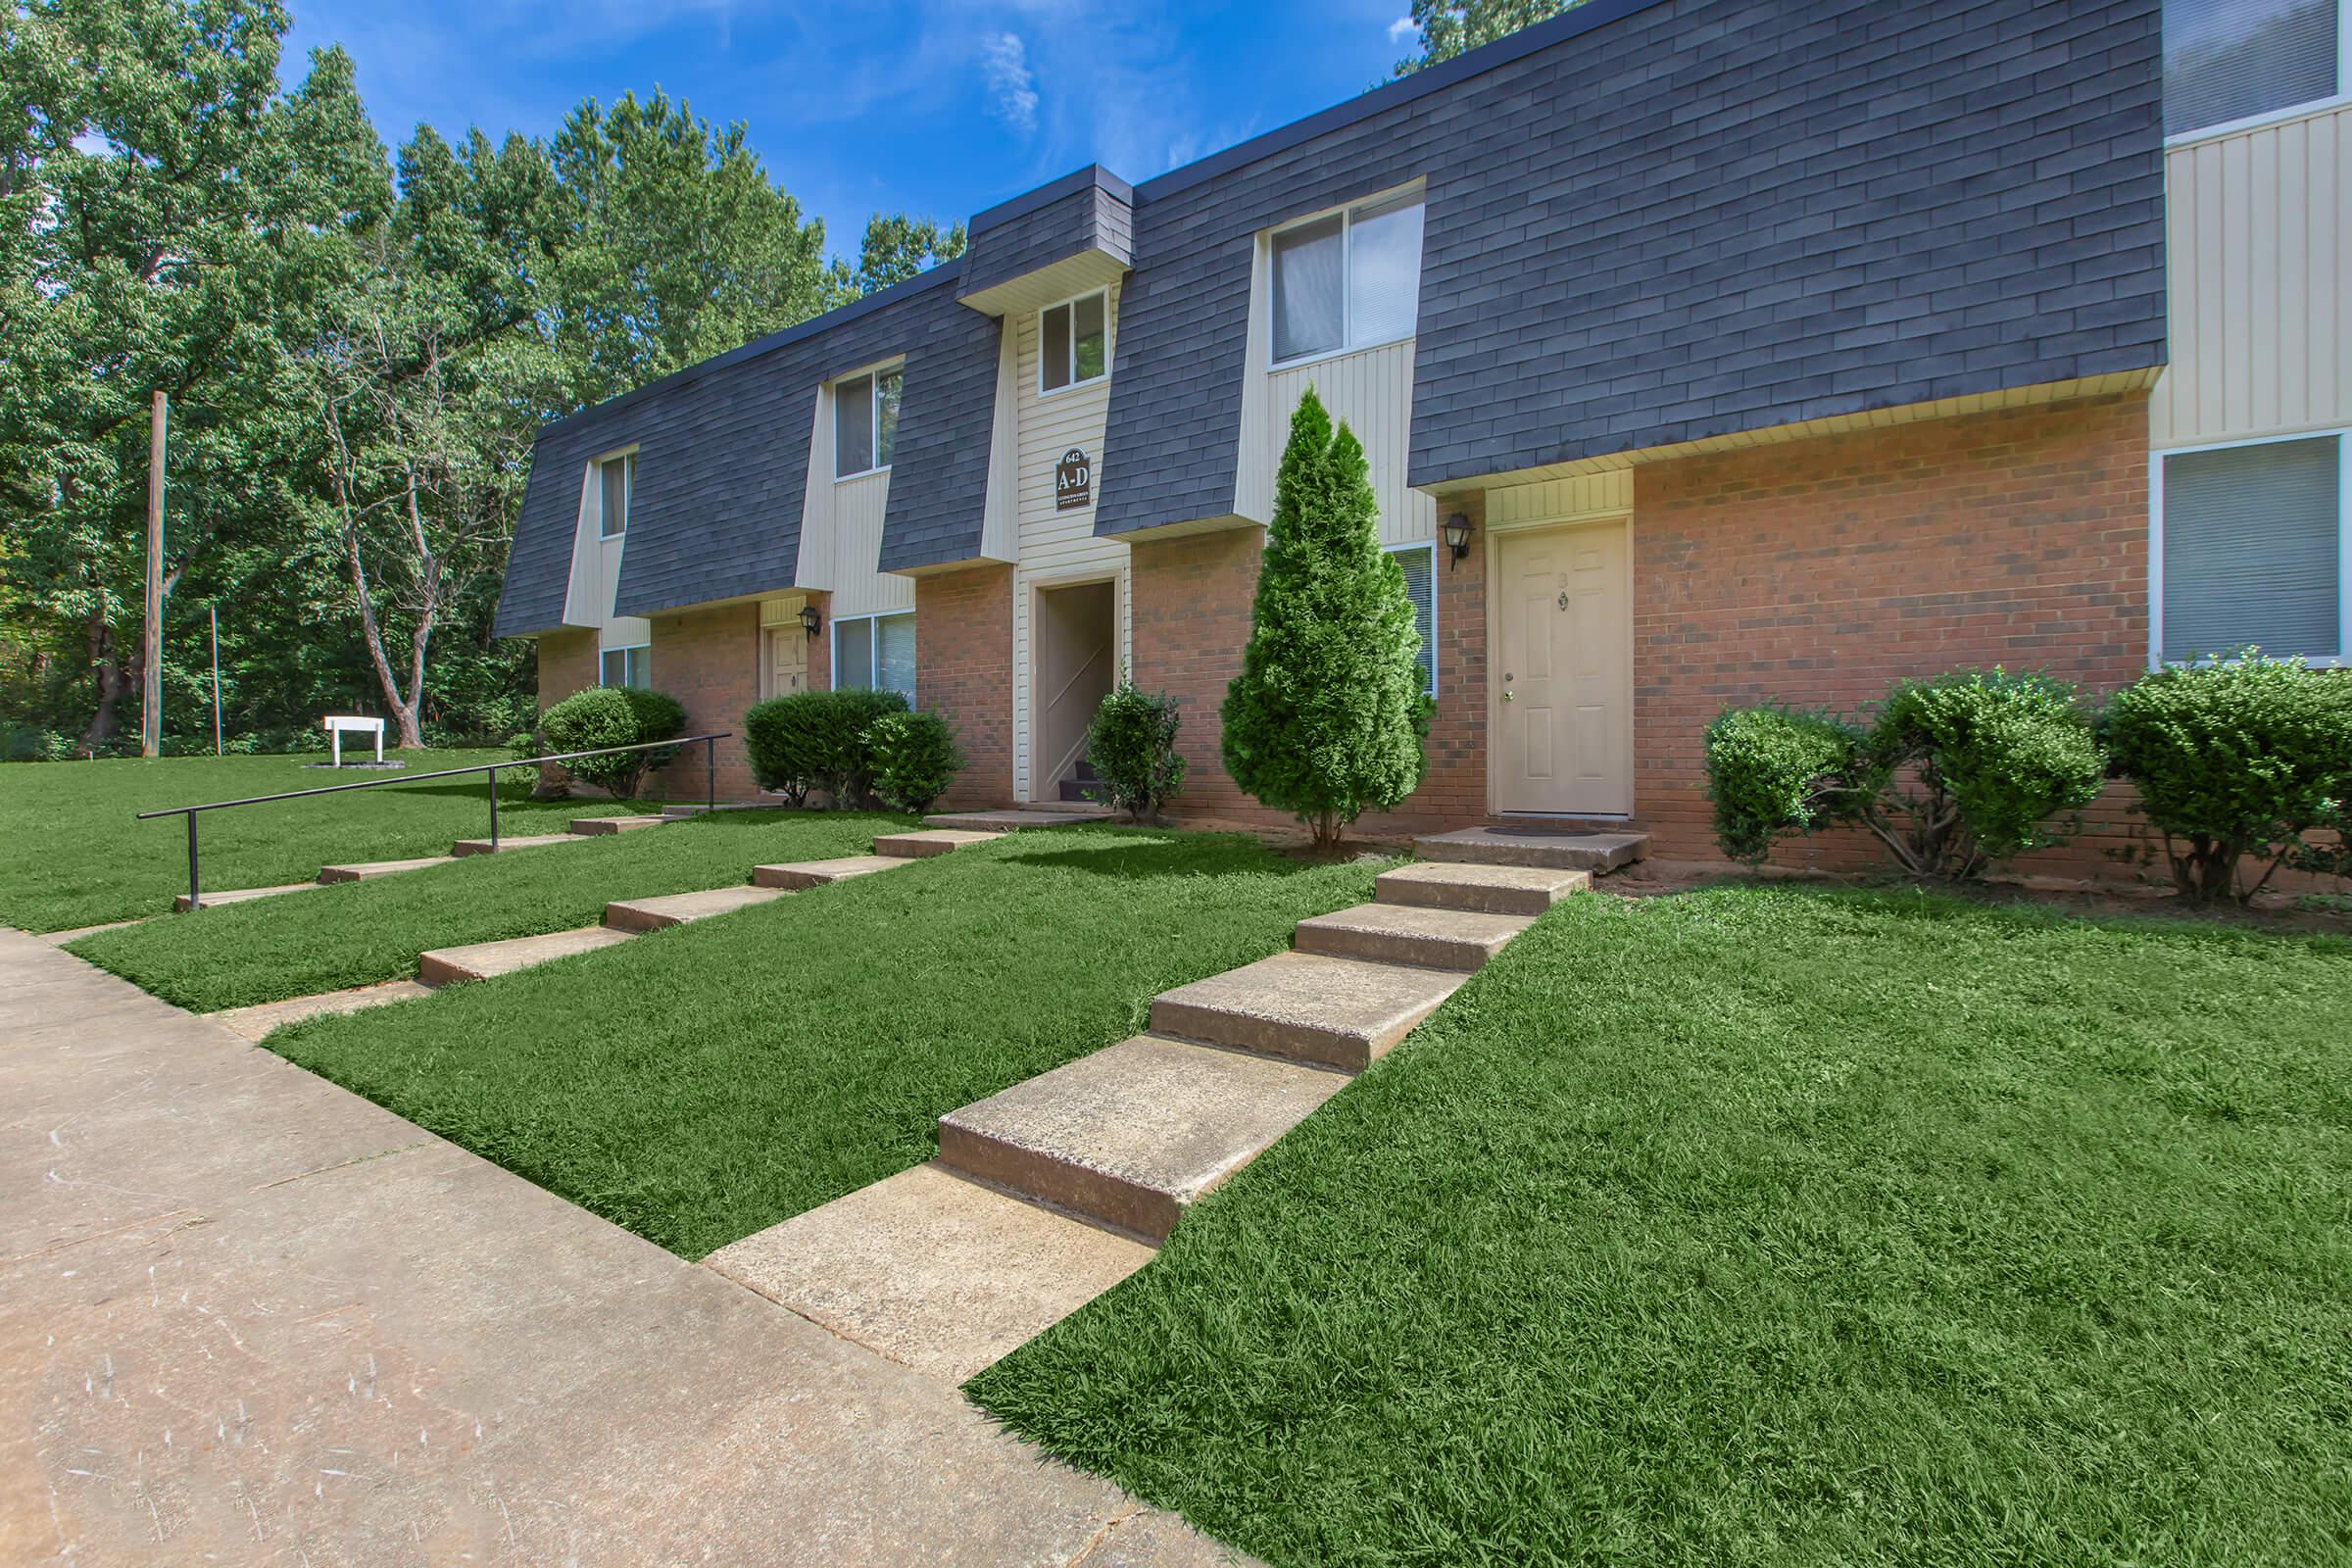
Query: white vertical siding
x=1372 y=389
x=1054 y=546
x=596 y=572
x=841 y=530
x=2259 y=234
x=1588 y=495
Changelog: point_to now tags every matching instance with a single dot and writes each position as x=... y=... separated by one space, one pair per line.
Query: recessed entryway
x=1075 y=642
x=1562 y=671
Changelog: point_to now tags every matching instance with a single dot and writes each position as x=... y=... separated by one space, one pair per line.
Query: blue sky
x=938 y=107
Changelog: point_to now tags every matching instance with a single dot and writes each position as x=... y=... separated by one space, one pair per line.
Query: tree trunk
x=114 y=683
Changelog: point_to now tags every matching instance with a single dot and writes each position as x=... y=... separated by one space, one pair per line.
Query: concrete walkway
x=248 y=1317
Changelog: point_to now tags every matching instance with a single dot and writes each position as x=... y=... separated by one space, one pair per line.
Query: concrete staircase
x=1112 y=1150
x=582 y=828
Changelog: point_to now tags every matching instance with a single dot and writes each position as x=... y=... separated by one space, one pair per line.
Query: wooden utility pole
x=151 y=640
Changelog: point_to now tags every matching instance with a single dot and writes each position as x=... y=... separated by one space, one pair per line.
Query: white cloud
x=1013 y=89
x=1403 y=31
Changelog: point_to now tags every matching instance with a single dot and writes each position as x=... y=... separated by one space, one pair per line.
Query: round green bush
x=805 y=742
x=1131 y=745
x=613 y=715
x=2232 y=760
x=1999 y=759
x=1777 y=770
x=915 y=759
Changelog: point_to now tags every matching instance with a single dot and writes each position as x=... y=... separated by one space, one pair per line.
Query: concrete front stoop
x=1048 y=1193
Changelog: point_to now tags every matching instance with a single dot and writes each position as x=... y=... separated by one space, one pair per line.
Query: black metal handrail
x=708 y=742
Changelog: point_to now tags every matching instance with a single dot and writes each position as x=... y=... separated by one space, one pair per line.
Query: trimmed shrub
x=1976 y=766
x=613 y=715
x=915 y=759
x=1775 y=770
x=1131 y=745
x=1325 y=719
x=806 y=742
x=2235 y=759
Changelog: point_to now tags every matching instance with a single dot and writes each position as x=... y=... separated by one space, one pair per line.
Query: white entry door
x=787 y=661
x=1563 y=672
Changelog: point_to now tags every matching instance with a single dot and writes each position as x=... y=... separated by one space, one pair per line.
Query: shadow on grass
x=1134 y=854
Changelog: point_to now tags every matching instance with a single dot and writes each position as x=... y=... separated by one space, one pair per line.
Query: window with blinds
x=2231 y=60
x=1420 y=563
x=626 y=666
x=874 y=652
x=2253 y=550
x=1351 y=280
x=619 y=477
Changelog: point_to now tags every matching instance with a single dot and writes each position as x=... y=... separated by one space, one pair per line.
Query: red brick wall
x=1820 y=571
x=566 y=665
x=963 y=671
x=708 y=661
x=1190 y=603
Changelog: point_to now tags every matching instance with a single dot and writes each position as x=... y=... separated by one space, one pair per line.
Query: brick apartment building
x=1704 y=351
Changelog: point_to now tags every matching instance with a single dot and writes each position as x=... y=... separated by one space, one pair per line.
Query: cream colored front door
x=1563 y=672
x=787 y=661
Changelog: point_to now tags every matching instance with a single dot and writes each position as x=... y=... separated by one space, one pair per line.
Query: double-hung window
x=2253 y=548
x=616 y=479
x=2227 y=61
x=625 y=666
x=876 y=652
x=1420 y=563
x=1347 y=280
x=1073 y=342
x=865 y=423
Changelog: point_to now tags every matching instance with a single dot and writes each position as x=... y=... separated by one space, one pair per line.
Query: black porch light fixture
x=810 y=622
x=1457 y=536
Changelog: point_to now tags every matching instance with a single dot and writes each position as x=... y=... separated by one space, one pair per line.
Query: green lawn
x=354 y=933
x=71 y=855
x=701 y=1083
x=1774 y=1226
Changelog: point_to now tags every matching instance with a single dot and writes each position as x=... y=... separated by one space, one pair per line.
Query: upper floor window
x=618 y=477
x=2252 y=544
x=1073 y=342
x=865 y=422
x=1350 y=281
x=2231 y=60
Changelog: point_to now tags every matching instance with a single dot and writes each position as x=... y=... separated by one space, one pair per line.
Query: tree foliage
x=356 y=345
x=1449 y=27
x=1326 y=719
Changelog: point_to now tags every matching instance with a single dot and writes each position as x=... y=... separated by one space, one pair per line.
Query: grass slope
x=71 y=855
x=1774 y=1226
x=354 y=933
x=700 y=1084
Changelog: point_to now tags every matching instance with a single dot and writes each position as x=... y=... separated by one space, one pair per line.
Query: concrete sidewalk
x=248 y=1317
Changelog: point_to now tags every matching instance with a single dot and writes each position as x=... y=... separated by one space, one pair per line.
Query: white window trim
x=596 y=478
x=625 y=648
x=1045 y=391
x=873 y=647
x=897 y=368
x=1347 y=212
x=2272 y=117
x=1430 y=544
x=2342 y=658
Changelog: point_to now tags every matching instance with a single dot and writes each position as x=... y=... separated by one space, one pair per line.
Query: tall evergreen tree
x=1326 y=717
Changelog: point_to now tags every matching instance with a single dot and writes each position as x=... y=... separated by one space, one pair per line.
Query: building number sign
x=1073 y=481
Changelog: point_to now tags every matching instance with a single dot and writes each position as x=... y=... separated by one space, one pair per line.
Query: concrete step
x=1404 y=933
x=368 y=870
x=505 y=842
x=480 y=960
x=934 y=841
x=615 y=824
x=681 y=909
x=255 y=1023
x=816 y=874
x=180 y=905
x=1564 y=851
x=934 y=1271
x=1336 y=1013
x=993 y=822
x=1136 y=1133
x=1488 y=888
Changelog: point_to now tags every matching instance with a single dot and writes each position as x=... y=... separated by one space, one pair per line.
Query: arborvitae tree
x=1324 y=719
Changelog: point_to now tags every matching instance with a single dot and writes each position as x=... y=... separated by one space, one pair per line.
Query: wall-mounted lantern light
x=1457 y=536
x=810 y=622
